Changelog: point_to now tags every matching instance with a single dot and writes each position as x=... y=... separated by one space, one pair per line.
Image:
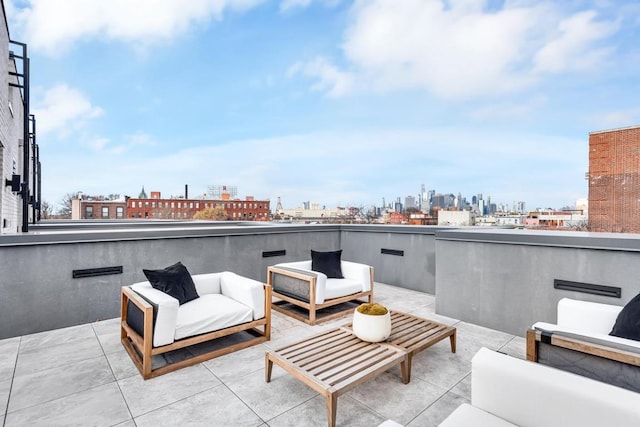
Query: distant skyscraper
x=409 y=202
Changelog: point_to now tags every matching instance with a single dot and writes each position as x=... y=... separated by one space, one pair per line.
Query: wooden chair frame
x=534 y=338
x=311 y=306
x=615 y=366
x=141 y=350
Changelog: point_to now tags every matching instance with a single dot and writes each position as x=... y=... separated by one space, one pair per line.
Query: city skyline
x=332 y=101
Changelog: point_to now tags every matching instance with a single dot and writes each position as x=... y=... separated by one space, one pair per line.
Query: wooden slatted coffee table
x=414 y=334
x=334 y=362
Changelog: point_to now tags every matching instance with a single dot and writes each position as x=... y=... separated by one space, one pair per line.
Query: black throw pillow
x=174 y=280
x=327 y=263
x=628 y=322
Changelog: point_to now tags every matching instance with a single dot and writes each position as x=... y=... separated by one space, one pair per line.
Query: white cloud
x=330 y=79
x=572 y=48
x=464 y=49
x=62 y=109
x=53 y=26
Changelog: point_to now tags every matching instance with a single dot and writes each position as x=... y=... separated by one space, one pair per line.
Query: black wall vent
x=395 y=252
x=92 y=272
x=268 y=254
x=588 y=288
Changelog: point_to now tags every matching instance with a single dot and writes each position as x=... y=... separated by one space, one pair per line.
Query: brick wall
x=614 y=180
x=10 y=137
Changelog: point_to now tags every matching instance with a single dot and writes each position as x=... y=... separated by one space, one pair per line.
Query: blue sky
x=333 y=102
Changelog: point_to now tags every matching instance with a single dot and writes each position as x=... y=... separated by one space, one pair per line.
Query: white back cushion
x=207 y=283
x=587 y=316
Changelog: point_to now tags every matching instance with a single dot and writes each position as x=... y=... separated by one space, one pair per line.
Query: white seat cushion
x=210 y=313
x=341 y=287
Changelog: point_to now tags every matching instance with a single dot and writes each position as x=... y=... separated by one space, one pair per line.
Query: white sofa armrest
x=528 y=393
x=166 y=308
x=587 y=316
x=244 y=290
x=357 y=272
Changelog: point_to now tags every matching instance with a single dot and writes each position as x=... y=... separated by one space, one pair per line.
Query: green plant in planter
x=374 y=309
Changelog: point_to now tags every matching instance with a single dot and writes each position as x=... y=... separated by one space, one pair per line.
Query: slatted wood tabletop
x=414 y=334
x=334 y=362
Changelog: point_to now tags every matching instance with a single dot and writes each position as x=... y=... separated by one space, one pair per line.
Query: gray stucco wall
x=414 y=269
x=504 y=280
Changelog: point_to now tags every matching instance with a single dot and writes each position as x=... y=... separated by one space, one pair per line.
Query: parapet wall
x=501 y=279
x=504 y=279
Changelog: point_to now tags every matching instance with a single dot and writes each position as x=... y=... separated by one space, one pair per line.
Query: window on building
x=105 y=212
x=153 y=204
x=190 y=205
x=179 y=205
x=173 y=205
x=146 y=204
x=197 y=205
x=88 y=212
x=119 y=212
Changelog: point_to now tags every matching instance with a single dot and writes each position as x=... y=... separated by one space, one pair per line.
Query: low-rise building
x=181 y=208
x=457 y=218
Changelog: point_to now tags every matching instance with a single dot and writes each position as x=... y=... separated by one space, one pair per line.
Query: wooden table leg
x=332 y=408
x=452 y=338
x=405 y=369
x=268 y=366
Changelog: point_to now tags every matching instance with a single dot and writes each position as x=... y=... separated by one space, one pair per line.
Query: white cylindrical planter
x=371 y=328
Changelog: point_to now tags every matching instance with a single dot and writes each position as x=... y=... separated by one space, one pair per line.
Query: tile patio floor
x=82 y=376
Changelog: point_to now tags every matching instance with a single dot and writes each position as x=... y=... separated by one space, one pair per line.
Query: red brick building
x=156 y=207
x=614 y=180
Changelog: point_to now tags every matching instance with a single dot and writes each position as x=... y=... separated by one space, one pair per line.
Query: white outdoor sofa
x=294 y=283
x=153 y=322
x=580 y=343
x=508 y=391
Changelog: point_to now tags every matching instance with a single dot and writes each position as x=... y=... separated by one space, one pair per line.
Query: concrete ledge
x=564 y=239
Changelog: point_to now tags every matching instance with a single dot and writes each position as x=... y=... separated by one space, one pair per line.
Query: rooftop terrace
x=81 y=375
x=59 y=366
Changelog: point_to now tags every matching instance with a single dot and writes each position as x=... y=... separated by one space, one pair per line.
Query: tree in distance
x=216 y=214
